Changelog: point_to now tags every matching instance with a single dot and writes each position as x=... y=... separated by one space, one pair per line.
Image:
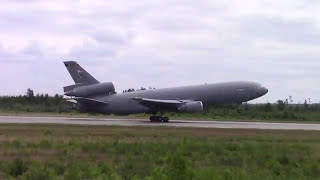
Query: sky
x=162 y=43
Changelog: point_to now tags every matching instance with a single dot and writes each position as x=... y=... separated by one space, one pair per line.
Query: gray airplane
x=92 y=96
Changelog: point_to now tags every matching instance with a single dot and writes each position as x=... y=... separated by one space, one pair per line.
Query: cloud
x=90 y=51
x=162 y=44
x=297 y=32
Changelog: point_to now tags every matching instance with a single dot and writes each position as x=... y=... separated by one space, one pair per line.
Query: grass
x=99 y=152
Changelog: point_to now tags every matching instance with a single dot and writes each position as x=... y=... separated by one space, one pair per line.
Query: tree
x=306 y=105
x=268 y=107
x=30 y=93
x=290 y=98
x=281 y=105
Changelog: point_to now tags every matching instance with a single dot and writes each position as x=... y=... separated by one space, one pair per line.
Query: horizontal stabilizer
x=91 y=102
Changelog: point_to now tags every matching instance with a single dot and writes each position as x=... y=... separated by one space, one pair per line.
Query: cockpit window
x=260 y=86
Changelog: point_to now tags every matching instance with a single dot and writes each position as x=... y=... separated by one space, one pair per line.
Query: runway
x=145 y=122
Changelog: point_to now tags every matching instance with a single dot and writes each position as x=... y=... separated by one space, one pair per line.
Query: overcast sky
x=162 y=43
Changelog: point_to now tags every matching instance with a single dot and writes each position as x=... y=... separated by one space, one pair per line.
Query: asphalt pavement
x=146 y=122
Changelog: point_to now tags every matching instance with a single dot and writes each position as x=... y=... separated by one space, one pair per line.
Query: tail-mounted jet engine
x=92 y=90
x=196 y=106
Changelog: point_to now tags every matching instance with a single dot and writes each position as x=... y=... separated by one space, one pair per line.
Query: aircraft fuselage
x=92 y=96
x=208 y=94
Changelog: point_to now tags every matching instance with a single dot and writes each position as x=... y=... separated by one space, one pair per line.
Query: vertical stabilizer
x=78 y=74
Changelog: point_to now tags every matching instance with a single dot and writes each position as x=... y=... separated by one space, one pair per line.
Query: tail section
x=78 y=74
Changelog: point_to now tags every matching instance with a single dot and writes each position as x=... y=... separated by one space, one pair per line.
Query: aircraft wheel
x=165 y=119
x=155 y=118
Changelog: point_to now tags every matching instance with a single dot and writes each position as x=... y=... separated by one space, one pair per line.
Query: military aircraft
x=92 y=96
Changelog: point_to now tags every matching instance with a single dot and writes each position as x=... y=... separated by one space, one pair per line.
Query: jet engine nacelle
x=196 y=106
x=91 y=90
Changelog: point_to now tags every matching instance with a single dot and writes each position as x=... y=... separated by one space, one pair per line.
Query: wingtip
x=136 y=98
x=69 y=62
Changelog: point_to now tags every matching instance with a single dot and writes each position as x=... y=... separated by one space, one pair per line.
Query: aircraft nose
x=264 y=91
x=261 y=90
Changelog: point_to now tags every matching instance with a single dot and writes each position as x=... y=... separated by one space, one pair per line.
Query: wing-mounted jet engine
x=195 y=106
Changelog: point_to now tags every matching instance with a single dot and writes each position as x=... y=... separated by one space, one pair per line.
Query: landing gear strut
x=159 y=119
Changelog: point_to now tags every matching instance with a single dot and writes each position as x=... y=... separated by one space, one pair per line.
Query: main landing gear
x=159 y=119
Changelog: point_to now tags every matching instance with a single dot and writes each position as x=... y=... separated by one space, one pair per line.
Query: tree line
x=31 y=102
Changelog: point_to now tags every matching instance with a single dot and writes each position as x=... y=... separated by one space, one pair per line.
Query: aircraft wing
x=72 y=101
x=90 y=102
x=158 y=103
